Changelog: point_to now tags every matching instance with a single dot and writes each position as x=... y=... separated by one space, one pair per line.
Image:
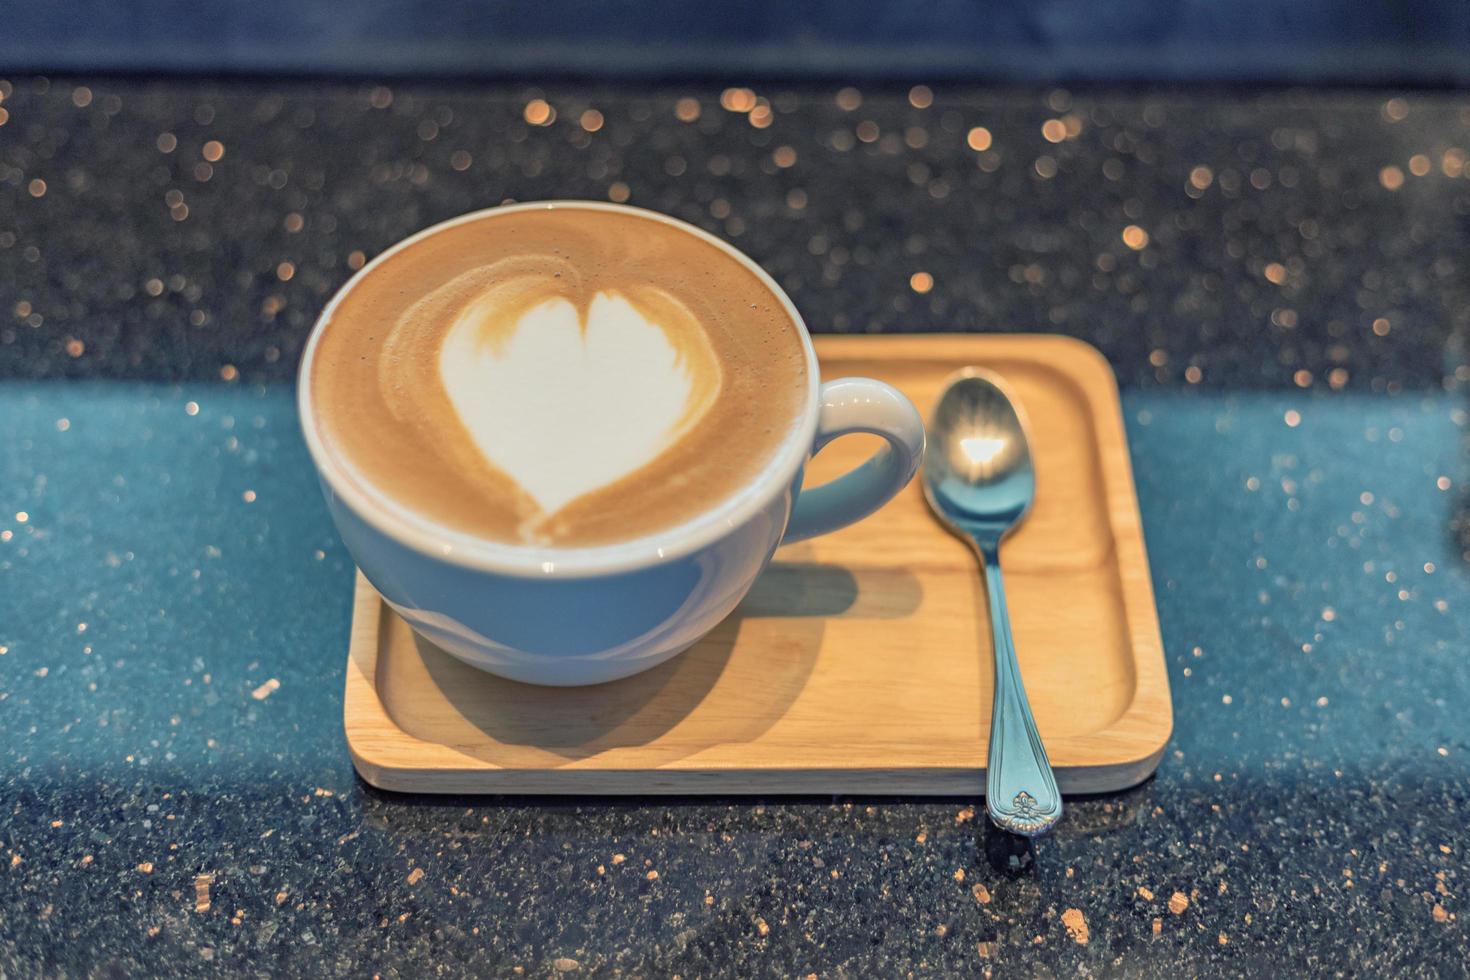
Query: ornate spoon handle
x=1020 y=791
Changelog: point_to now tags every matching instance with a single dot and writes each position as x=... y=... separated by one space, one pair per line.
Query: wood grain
x=860 y=662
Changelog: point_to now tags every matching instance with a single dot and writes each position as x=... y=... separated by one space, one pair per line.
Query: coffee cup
x=647 y=369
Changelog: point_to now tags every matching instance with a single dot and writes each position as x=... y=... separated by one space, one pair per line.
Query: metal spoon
x=979 y=480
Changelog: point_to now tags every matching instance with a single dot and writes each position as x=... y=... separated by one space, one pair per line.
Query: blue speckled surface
x=1320 y=757
x=166 y=808
x=151 y=594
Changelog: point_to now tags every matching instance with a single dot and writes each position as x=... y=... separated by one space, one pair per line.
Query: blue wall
x=1368 y=41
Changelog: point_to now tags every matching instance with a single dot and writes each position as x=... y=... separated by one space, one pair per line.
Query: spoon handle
x=1020 y=791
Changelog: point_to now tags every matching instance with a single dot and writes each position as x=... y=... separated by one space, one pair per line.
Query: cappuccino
x=560 y=376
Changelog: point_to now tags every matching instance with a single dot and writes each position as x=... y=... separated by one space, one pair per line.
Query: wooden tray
x=860 y=662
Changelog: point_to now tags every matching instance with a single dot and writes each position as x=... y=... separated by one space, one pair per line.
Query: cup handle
x=848 y=406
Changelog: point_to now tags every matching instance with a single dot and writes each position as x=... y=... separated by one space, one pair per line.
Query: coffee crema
x=562 y=376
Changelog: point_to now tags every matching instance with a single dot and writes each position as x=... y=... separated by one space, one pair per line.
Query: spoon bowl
x=980 y=481
x=978 y=471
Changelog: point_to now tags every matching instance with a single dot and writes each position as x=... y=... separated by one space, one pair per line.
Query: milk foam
x=565 y=404
x=561 y=376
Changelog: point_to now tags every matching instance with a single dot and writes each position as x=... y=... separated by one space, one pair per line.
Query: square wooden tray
x=860 y=662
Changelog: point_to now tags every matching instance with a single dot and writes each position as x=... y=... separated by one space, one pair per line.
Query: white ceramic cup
x=568 y=616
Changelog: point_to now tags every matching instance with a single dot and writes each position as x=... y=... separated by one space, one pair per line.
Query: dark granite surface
x=175 y=796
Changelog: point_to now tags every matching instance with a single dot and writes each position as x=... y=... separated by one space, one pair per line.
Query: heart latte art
x=558 y=377
x=597 y=390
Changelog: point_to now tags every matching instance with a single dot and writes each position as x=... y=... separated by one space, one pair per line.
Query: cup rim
x=440 y=542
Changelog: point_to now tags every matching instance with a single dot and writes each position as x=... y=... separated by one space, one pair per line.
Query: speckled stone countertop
x=1279 y=280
